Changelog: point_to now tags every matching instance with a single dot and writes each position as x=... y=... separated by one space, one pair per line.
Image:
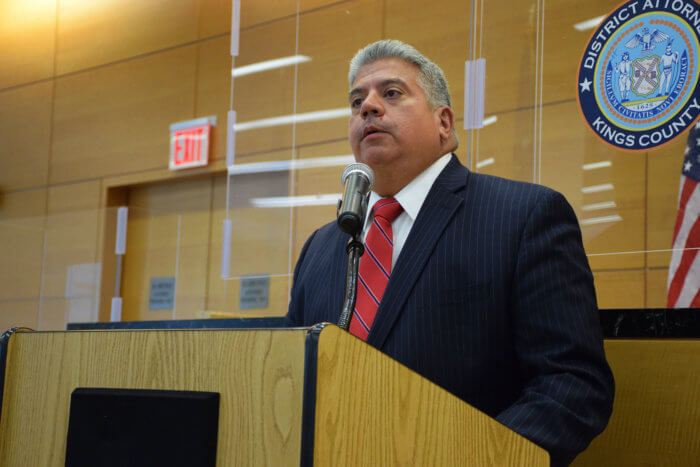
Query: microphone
x=358 y=179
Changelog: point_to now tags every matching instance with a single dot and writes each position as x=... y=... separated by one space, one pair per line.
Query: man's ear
x=447 y=122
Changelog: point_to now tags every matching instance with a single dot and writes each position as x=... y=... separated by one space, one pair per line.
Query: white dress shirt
x=411 y=198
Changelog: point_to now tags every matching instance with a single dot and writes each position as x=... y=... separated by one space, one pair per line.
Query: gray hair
x=430 y=77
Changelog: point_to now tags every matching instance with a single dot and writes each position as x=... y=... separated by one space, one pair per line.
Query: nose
x=372 y=105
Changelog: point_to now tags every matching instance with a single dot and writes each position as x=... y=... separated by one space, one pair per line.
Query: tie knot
x=387 y=208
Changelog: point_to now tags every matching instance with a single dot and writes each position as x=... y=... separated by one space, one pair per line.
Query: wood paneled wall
x=88 y=90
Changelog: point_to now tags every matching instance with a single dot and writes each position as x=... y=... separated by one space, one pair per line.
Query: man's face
x=392 y=123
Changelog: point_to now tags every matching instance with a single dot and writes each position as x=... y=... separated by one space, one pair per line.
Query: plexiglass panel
x=626 y=201
x=56 y=266
x=153 y=286
x=73 y=269
x=291 y=134
x=23 y=241
x=227 y=245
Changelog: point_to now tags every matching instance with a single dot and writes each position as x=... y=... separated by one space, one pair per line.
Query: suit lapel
x=438 y=209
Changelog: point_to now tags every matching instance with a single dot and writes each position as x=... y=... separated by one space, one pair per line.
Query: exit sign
x=189 y=143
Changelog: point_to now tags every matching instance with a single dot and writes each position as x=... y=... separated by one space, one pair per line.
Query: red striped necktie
x=375 y=266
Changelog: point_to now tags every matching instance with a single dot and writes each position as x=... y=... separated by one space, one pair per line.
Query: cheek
x=424 y=130
x=407 y=131
x=352 y=131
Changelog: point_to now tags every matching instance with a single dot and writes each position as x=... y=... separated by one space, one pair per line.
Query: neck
x=388 y=183
x=389 y=180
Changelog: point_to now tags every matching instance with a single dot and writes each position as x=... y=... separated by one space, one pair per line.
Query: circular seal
x=637 y=82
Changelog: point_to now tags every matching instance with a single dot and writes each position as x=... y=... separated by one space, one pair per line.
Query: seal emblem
x=637 y=82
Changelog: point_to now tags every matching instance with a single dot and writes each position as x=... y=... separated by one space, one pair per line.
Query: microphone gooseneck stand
x=355 y=249
x=358 y=180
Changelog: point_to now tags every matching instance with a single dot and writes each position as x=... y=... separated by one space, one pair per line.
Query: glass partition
x=71 y=268
x=84 y=266
x=291 y=131
x=55 y=267
x=21 y=258
x=233 y=255
x=153 y=285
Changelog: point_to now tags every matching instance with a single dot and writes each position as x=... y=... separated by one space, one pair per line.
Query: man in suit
x=480 y=284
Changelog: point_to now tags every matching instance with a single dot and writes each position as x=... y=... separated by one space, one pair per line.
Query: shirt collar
x=412 y=196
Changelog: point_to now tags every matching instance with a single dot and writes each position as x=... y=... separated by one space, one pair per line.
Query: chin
x=376 y=157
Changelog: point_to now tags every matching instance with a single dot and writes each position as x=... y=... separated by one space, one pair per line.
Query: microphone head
x=358 y=180
x=359 y=167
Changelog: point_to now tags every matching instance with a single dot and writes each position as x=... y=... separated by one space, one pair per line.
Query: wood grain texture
x=215 y=15
x=27 y=41
x=267 y=94
x=510 y=143
x=563 y=45
x=609 y=284
x=330 y=37
x=72 y=238
x=259 y=375
x=112 y=199
x=312 y=182
x=214 y=88
x=440 y=30
x=24 y=204
x=656 y=287
x=259 y=243
x=228 y=300
x=22 y=233
x=255 y=12
x=567 y=146
x=656 y=416
x=260 y=240
x=663 y=181
x=260 y=236
x=371 y=410
x=25 y=132
x=83 y=196
x=92 y=34
x=115 y=119
x=15 y=313
x=628 y=194
x=168 y=236
x=126 y=181
x=316 y=181
x=133 y=68
x=327 y=36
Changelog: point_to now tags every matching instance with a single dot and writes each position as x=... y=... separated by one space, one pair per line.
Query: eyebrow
x=382 y=84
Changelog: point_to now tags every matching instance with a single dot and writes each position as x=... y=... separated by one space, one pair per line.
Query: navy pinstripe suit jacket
x=491 y=298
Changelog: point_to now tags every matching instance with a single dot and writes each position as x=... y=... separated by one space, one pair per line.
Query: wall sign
x=254 y=292
x=162 y=296
x=637 y=81
x=189 y=143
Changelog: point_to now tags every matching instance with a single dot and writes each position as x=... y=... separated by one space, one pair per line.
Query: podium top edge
x=141 y=330
x=226 y=323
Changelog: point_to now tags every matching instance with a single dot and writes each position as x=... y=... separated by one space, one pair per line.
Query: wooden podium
x=288 y=397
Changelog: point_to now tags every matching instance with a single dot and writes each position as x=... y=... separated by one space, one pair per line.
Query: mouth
x=370 y=130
